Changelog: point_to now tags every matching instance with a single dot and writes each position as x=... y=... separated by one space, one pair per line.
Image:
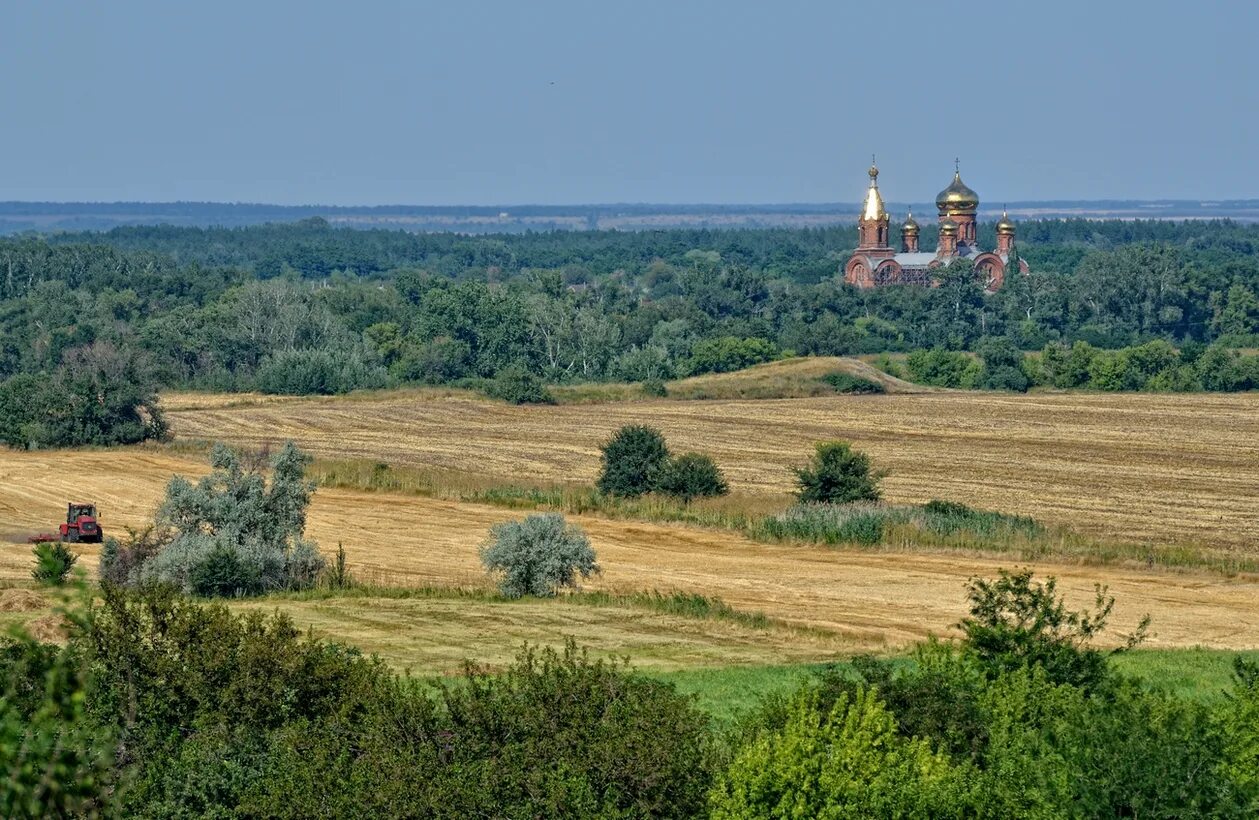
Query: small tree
x=233 y=510
x=633 y=461
x=53 y=562
x=693 y=475
x=1016 y=622
x=837 y=474
x=537 y=555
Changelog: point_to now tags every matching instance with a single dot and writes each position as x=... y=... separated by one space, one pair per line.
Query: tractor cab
x=81 y=524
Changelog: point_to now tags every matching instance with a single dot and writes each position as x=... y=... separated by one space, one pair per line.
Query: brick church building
x=876 y=262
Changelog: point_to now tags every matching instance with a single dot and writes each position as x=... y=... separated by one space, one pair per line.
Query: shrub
x=849 y=762
x=1015 y=622
x=837 y=475
x=1003 y=365
x=538 y=555
x=223 y=574
x=633 y=461
x=942 y=368
x=655 y=388
x=518 y=386
x=53 y=562
x=729 y=353
x=857 y=385
x=692 y=475
x=55 y=757
x=233 y=510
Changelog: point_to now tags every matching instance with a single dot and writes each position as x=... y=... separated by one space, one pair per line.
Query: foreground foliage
x=158 y=706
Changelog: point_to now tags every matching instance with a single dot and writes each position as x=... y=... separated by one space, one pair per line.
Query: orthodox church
x=876 y=263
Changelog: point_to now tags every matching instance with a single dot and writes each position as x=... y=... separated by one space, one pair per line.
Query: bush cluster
x=99 y=394
x=161 y=707
x=232 y=533
x=158 y=706
x=636 y=461
x=1022 y=718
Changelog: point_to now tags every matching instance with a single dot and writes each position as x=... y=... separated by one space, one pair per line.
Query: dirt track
x=873 y=599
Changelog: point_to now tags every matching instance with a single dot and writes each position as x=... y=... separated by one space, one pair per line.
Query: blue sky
x=564 y=102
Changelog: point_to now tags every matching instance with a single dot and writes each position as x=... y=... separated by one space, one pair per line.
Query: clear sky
x=531 y=101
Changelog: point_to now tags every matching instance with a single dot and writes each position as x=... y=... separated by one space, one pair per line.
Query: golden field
x=825 y=601
x=1134 y=467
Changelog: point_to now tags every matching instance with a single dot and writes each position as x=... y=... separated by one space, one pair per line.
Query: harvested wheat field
x=869 y=600
x=1135 y=467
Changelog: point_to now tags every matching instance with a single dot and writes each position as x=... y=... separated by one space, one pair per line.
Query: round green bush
x=537 y=555
x=633 y=461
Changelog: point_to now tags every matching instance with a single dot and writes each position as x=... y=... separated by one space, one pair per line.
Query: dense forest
x=304 y=307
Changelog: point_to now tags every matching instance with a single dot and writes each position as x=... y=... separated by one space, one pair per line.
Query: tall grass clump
x=856 y=523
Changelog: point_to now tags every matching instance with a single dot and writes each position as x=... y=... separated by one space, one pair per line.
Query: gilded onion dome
x=910 y=225
x=1005 y=225
x=957 y=198
x=948 y=226
x=873 y=209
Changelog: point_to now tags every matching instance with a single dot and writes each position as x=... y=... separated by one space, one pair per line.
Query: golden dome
x=957 y=198
x=910 y=225
x=873 y=208
x=948 y=226
x=1005 y=225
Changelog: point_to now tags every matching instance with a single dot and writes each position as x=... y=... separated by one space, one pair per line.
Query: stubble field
x=1134 y=467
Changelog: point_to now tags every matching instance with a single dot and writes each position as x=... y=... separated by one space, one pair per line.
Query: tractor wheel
x=72 y=536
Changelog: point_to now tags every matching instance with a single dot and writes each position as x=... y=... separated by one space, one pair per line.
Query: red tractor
x=81 y=525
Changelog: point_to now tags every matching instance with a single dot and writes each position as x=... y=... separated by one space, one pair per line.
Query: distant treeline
x=1154 y=366
x=309 y=308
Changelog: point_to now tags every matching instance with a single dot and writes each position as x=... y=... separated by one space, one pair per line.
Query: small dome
x=957 y=198
x=948 y=226
x=910 y=225
x=1005 y=225
x=873 y=172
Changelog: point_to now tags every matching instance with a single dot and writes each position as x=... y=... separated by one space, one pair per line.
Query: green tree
x=837 y=474
x=1016 y=622
x=538 y=555
x=233 y=510
x=634 y=459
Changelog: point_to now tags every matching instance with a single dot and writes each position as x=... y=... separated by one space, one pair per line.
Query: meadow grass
x=725 y=692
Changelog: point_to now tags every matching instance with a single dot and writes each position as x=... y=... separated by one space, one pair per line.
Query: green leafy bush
x=538 y=555
x=848 y=762
x=518 y=386
x=729 y=353
x=235 y=511
x=223 y=574
x=1016 y=622
x=53 y=562
x=837 y=475
x=692 y=475
x=633 y=461
x=854 y=385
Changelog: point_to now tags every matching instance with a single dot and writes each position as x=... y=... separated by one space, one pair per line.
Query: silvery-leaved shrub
x=537 y=555
x=234 y=532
